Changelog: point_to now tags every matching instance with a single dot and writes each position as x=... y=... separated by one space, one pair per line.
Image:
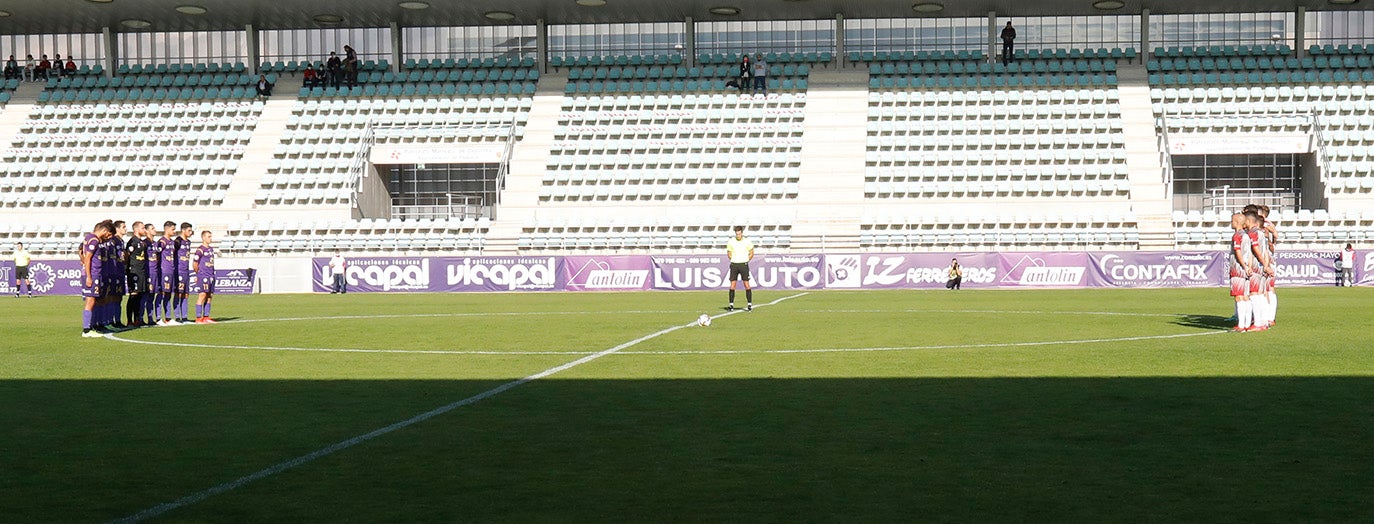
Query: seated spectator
x=42 y=70
x=29 y=67
x=264 y=87
x=12 y=69
x=321 y=76
x=309 y=77
x=71 y=65
x=56 y=68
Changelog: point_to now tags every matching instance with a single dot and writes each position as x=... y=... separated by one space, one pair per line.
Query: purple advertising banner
x=1125 y=269
x=63 y=277
x=607 y=273
x=697 y=272
x=909 y=270
x=50 y=277
x=1364 y=264
x=440 y=274
x=988 y=270
x=1046 y=270
x=235 y=281
x=1306 y=268
x=1155 y=269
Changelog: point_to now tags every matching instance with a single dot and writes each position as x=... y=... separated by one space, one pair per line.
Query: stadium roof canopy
x=88 y=16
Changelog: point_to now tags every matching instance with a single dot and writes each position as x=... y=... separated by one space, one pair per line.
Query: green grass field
x=1074 y=405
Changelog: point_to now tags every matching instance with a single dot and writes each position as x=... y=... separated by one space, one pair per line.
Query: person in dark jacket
x=746 y=74
x=335 y=67
x=264 y=87
x=1008 y=40
x=350 y=66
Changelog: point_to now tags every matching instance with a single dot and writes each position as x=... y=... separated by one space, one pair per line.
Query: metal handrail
x=358 y=169
x=374 y=130
x=1323 y=158
x=1166 y=160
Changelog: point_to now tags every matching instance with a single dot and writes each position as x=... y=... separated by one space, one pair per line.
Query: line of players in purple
x=158 y=274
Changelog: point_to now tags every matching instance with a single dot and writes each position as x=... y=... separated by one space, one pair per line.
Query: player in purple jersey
x=108 y=266
x=203 y=265
x=167 y=269
x=90 y=269
x=154 y=275
x=118 y=277
x=183 y=269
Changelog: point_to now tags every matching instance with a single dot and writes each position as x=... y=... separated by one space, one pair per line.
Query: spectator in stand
x=746 y=74
x=42 y=70
x=350 y=65
x=760 y=74
x=29 y=67
x=309 y=79
x=335 y=68
x=57 y=68
x=12 y=69
x=1008 y=40
x=71 y=65
x=264 y=87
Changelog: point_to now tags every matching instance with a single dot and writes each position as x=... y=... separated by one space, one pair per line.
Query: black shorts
x=739 y=271
x=21 y=273
x=138 y=283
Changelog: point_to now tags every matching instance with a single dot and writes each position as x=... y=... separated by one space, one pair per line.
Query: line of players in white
x=1251 y=268
x=158 y=274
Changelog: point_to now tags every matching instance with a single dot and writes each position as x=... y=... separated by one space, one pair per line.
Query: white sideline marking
x=995 y=311
x=345 y=444
x=447 y=315
x=911 y=348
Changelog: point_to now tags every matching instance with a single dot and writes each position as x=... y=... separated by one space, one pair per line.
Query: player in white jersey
x=1272 y=231
x=1259 y=283
x=1239 y=268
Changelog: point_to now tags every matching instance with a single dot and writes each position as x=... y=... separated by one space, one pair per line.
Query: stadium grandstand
x=615 y=127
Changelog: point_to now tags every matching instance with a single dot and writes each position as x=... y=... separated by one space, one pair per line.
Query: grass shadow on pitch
x=1078 y=449
x=1205 y=322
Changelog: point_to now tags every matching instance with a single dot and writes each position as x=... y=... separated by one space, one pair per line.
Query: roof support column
x=397 y=51
x=107 y=39
x=254 y=48
x=541 y=46
x=1300 y=31
x=839 y=38
x=689 y=47
x=993 y=51
x=1144 y=35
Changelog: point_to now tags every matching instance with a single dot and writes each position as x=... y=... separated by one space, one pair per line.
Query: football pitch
x=1077 y=405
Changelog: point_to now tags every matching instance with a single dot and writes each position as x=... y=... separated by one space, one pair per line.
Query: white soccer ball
x=704 y=320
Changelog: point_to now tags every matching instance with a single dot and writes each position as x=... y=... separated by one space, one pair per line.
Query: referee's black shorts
x=138 y=282
x=21 y=273
x=739 y=271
